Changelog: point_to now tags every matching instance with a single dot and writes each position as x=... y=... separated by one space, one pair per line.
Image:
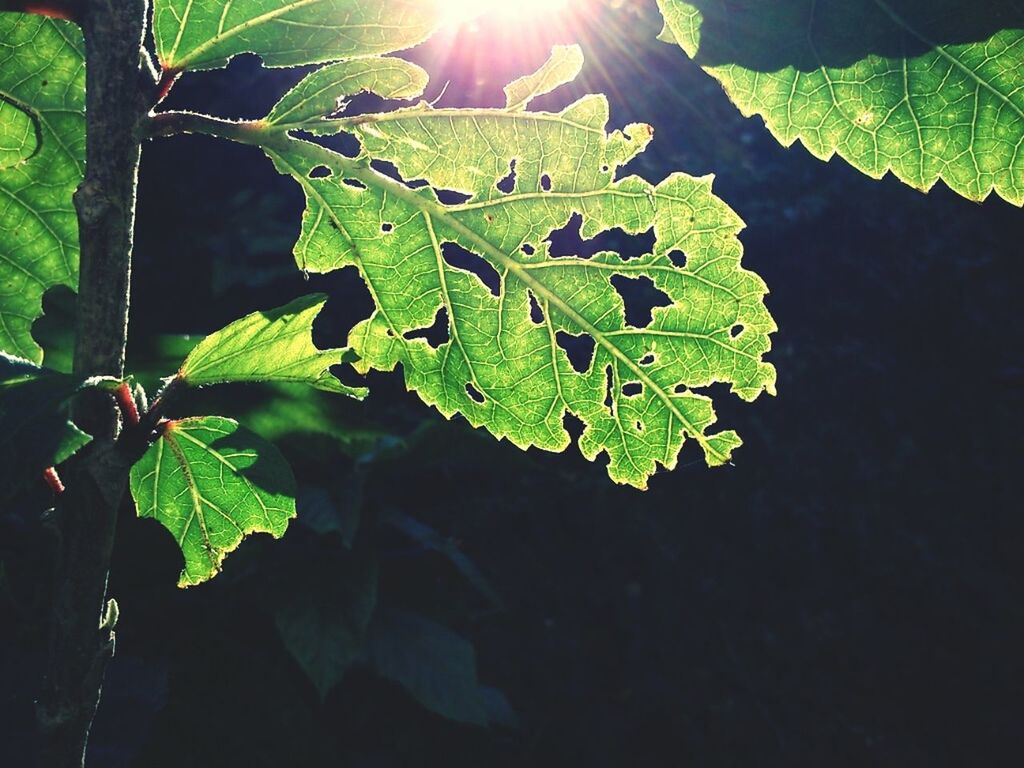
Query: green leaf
x=276 y=345
x=324 y=91
x=928 y=90
x=42 y=157
x=211 y=482
x=565 y=64
x=206 y=34
x=35 y=432
x=435 y=665
x=324 y=618
x=502 y=365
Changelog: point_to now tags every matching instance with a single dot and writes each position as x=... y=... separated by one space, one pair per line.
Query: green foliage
x=211 y=482
x=275 y=345
x=35 y=432
x=206 y=34
x=502 y=366
x=926 y=89
x=42 y=156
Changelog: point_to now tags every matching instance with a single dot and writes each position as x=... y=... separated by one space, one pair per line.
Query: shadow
x=769 y=35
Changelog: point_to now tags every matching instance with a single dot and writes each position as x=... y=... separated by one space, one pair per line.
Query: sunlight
x=514 y=11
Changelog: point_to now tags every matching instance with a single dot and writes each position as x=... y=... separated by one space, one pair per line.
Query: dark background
x=849 y=593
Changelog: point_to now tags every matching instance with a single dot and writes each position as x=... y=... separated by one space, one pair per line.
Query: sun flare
x=514 y=11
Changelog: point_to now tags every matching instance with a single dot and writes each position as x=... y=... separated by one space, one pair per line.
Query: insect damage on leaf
x=928 y=90
x=485 y=266
x=211 y=482
x=275 y=345
x=42 y=158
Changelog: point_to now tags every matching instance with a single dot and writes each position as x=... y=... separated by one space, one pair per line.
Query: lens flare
x=512 y=11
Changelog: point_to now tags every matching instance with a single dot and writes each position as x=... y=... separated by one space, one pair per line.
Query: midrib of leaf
x=248 y=350
x=217 y=455
x=186 y=469
x=431 y=113
x=369 y=177
x=221 y=36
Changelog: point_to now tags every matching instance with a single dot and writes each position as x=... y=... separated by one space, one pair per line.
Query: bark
x=82 y=640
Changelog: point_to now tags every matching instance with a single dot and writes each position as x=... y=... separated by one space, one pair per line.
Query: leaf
x=42 y=159
x=502 y=364
x=435 y=665
x=35 y=432
x=323 y=620
x=323 y=92
x=927 y=90
x=206 y=34
x=565 y=64
x=276 y=345
x=211 y=482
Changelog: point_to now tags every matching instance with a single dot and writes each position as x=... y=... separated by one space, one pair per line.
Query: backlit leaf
x=211 y=482
x=276 y=345
x=481 y=275
x=927 y=89
x=206 y=34
x=42 y=157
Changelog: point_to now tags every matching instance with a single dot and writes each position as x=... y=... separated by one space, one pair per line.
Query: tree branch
x=81 y=643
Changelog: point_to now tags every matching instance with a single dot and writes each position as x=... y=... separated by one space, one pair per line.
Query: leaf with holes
x=927 y=89
x=211 y=482
x=42 y=158
x=275 y=345
x=475 y=307
x=206 y=34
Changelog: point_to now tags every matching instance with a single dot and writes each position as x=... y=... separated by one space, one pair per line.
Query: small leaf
x=206 y=34
x=435 y=665
x=565 y=63
x=35 y=432
x=323 y=620
x=323 y=92
x=42 y=158
x=927 y=90
x=276 y=345
x=211 y=482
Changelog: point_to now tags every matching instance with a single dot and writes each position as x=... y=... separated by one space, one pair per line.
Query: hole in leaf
x=508 y=183
x=736 y=330
x=536 y=313
x=356 y=183
x=568 y=241
x=574 y=425
x=386 y=227
x=640 y=296
x=678 y=258
x=632 y=388
x=528 y=249
x=387 y=169
x=639 y=427
x=451 y=197
x=457 y=256
x=605 y=168
x=545 y=183
x=579 y=349
x=436 y=334
x=474 y=393
x=321 y=172
x=647 y=359
x=609 y=403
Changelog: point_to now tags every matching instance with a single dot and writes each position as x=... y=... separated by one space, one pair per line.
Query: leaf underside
x=211 y=482
x=272 y=346
x=206 y=34
x=928 y=90
x=503 y=365
x=42 y=158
